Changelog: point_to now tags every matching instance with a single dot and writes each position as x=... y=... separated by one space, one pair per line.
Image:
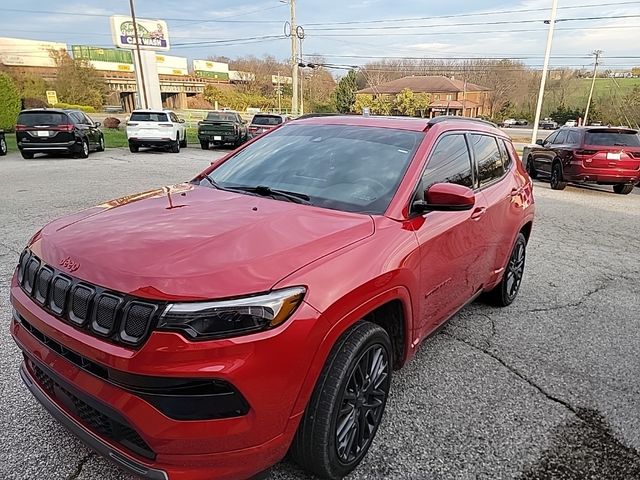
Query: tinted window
x=504 y=153
x=343 y=167
x=450 y=162
x=221 y=117
x=612 y=138
x=32 y=119
x=561 y=138
x=174 y=117
x=551 y=138
x=266 y=120
x=148 y=117
x=573 y=138
x=488 y=158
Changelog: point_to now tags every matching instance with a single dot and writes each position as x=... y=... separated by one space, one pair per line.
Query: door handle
x=478 y=213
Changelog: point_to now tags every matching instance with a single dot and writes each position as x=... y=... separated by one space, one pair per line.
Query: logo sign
x=69 y=264
x=152 y=34
x=52 y=97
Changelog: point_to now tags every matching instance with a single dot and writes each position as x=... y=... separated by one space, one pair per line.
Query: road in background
x=547 y=388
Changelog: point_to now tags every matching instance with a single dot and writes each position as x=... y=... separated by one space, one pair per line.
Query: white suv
x=156 y=128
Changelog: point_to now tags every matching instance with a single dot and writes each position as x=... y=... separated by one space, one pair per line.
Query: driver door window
x=449 y=162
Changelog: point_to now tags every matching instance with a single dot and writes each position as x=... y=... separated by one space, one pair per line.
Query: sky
x=337 y=29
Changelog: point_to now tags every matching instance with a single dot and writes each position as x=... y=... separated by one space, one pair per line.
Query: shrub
x=111 y=122
x=9 y=102
x=84 y=108
x=34 y=103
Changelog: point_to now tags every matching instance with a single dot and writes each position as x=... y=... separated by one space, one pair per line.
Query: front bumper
x=268 y=369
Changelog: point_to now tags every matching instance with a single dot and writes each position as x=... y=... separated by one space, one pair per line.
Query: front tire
x=3 y=147
x=507 y=290
x=175 y=146
x=183 y=143
x=531 y=169
x=347 y=404
x=557 y=182
x=623 y=188
x=101 y=146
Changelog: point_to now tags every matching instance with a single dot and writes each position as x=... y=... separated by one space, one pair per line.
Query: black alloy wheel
x=362 y=404
x=347 y=404
x=3 y=146
x=100 y=144
x=556 y=177
x=84 y=152
x=507 y=290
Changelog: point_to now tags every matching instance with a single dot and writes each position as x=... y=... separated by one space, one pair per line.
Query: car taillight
x=20 y=128
x=65 y=128
x=584 y=153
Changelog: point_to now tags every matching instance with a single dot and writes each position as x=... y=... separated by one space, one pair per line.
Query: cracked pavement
x=548 y=388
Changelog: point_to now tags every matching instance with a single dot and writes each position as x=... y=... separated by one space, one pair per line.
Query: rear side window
x=612 y=138
x=148 y=117
x=266 y=120
x=450 y=162
x=33 y=119
x=504 y=153
x=561 y=138
x=573 y=138
x=488 y=158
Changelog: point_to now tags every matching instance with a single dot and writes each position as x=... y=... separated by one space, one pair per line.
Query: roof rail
x=444 y=118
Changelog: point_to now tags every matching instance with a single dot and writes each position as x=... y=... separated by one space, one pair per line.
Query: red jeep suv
x=206 y=329
x=602 y=155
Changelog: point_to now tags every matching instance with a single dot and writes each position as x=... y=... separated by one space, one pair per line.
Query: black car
x=49 y=130
x=3 y=144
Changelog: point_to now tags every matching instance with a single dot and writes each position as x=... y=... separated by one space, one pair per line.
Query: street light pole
x=143 y=87
x=545 y=69
x=597 y=53
x=294 y=58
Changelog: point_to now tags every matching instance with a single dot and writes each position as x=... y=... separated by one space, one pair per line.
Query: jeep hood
x=192 y=243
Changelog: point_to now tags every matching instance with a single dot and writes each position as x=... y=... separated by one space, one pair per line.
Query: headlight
x=228 y=318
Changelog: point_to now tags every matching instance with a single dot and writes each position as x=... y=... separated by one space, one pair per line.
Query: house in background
x=448 y=96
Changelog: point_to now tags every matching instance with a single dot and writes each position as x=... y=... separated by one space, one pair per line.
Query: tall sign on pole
x=145 y=37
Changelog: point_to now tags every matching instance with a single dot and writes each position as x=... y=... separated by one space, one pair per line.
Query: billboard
x=169 y=65
x=153 y=34
x=28 y=53
x=213 y=70
x=241 y=77
x=280 y=80
x=105 y=59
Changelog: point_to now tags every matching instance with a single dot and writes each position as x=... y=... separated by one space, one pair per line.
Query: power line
x=466 y=24
x=477 y=14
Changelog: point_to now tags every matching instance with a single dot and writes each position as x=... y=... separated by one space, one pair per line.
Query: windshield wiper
x=267 y=191
x=212 y=182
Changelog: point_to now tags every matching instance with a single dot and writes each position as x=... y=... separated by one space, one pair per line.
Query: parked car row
x=268 y=317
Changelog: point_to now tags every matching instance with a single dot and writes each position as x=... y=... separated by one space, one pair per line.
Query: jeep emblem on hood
x=69 y=264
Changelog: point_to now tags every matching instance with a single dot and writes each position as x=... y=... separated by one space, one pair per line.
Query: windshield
x=342 y=167
x=627 y=138
x=148 y=117
x=221 y=117
x=32 y=119
x=266 y=120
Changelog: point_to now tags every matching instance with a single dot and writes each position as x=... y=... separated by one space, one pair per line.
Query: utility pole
x=545 y=69
x=300 y=36
x=597 y=54
x=279 y=93
x=143 y=88
x=294 y=58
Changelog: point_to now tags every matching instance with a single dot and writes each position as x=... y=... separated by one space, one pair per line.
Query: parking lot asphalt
x=548 y=388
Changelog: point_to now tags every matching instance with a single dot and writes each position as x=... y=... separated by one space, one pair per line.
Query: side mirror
x=446 y=197
x=97 y=124
x=182 y=120
x=540 y=142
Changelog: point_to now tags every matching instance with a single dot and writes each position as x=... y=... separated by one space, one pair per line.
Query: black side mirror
x=540 y=142
x=97 y=124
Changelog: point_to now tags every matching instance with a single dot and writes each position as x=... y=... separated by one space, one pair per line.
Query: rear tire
x=557 y=182
x=623 y=188
x=84 y=152
x=204 y=145
x=26 y=155
x=347 y=404
x=507 y=290
x=175 y=146
x=3 y=147
x=133 y=148
x=531 y=169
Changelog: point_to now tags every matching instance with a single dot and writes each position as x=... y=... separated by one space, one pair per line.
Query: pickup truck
x=219 y=128
x=548 y=124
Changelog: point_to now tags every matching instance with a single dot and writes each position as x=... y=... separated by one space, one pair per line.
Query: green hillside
x=604 y=88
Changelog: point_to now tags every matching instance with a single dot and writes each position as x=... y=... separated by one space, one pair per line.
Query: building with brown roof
x=448 y=96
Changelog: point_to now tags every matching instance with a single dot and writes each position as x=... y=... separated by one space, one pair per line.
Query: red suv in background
x=602 y=155
x=205 y=329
